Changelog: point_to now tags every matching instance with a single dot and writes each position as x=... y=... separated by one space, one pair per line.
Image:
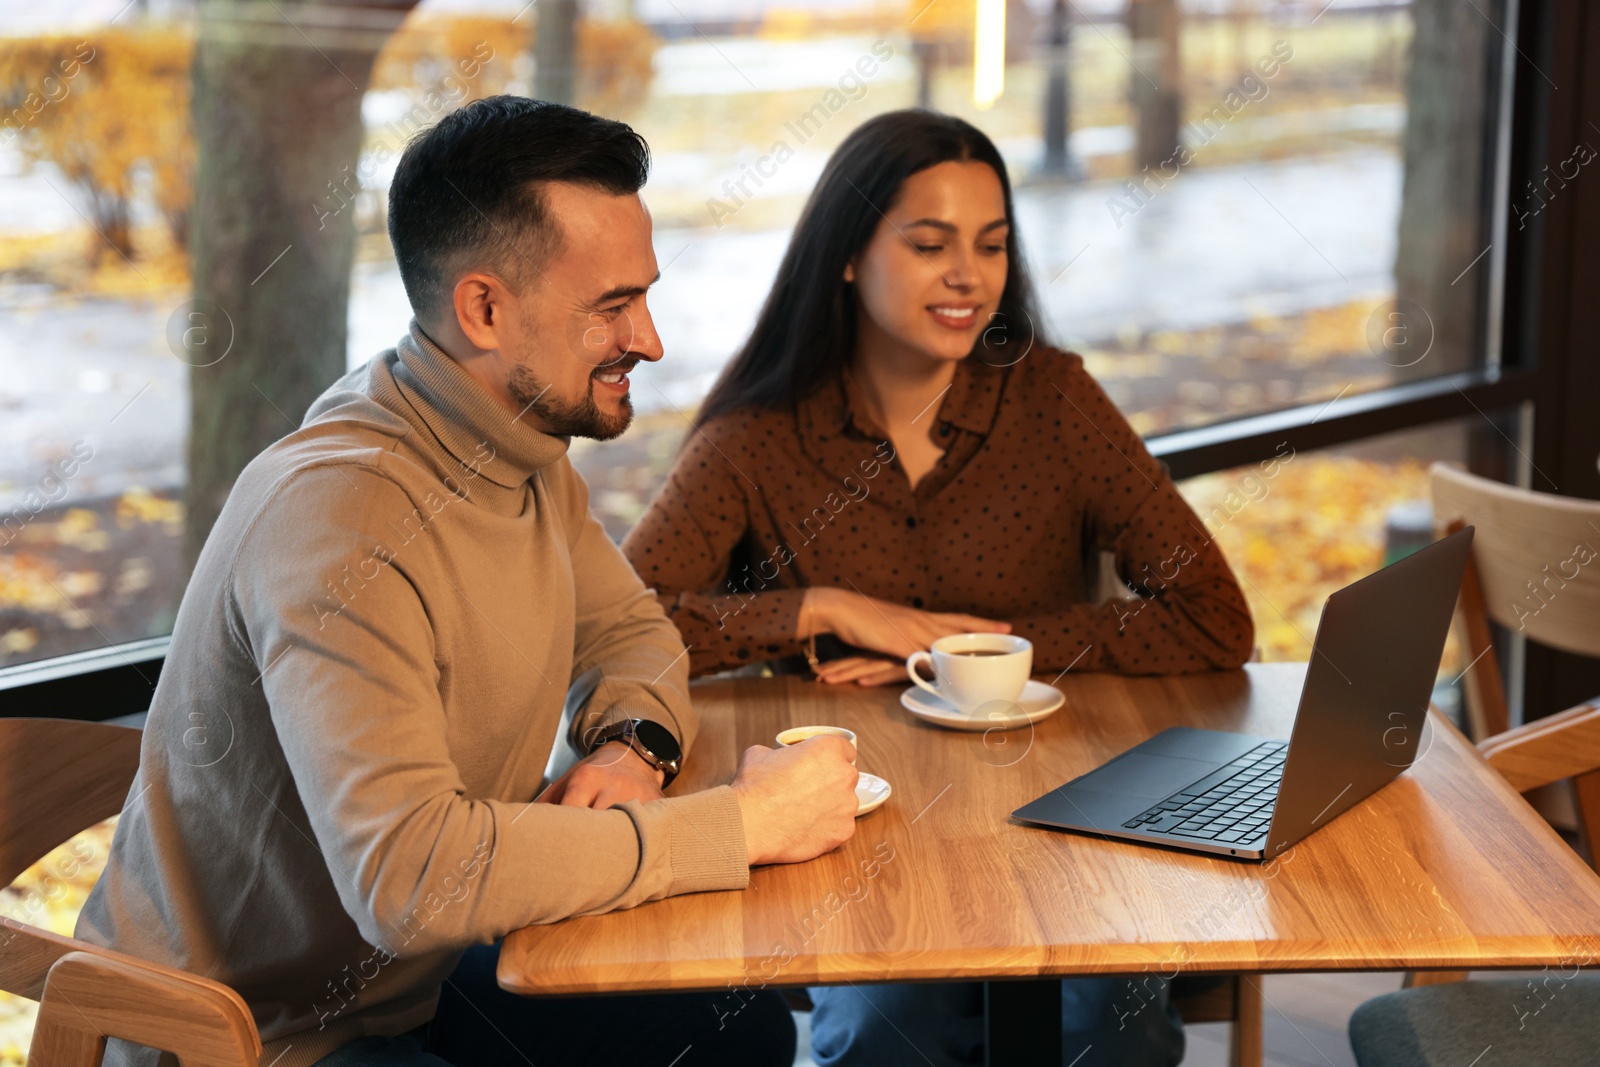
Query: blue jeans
x=1105 y=1021
x=478 y=1024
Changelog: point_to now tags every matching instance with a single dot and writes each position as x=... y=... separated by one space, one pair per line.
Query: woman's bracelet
x=811 y=635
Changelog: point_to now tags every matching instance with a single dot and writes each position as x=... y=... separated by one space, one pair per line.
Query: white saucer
x=871 y=792
x=1038 y=700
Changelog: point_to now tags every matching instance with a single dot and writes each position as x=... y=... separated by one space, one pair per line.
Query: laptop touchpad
x=1140 y=775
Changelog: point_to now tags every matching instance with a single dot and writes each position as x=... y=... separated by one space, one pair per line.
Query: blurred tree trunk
x=1155 y=86
x=277 y=112
x=1058 y=160
x=555 y=51
x=1443 y=197
x=926 y=54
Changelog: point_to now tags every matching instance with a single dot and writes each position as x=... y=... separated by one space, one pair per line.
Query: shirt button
x=916 y=602
x=911 y=521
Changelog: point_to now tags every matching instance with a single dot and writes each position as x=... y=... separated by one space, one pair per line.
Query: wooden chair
x=1524 y=575
x=1230 y=998
x=61 y=777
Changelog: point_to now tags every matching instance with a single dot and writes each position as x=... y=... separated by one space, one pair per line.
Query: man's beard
x=581 y=418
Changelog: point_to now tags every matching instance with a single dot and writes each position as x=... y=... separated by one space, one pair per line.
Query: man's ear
x=479 y=303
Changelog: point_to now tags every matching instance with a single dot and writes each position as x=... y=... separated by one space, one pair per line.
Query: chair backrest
x=1537 y=556
x=90 y=995
x=1535 y=567
x=57 y=778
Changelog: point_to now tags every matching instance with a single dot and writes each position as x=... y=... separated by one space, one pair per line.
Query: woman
x=895 y=455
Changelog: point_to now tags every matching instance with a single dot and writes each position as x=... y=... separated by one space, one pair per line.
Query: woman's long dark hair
x=806 y=332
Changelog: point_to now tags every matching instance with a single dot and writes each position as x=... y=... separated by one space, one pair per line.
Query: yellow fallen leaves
x=49 y=894
x=52 y=891
x=140 y=505
x=80 y=528
x=35 y=583
x=1313 y=527
x=43 y=575
x=1330 y=330
x=16 y=1028
x=77 y=528
x=18 y=641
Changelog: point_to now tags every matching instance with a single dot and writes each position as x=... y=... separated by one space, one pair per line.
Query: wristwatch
x=653 y=742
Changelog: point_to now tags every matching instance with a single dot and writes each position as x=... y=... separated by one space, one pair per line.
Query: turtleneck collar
x=466 y=421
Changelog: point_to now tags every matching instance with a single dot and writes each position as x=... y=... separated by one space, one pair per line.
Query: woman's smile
x=955 y=315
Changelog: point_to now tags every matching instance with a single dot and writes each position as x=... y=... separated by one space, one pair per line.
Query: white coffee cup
x=796 y=734
x=971 y=670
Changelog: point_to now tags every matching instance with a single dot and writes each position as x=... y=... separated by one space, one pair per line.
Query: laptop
x=1358 y=727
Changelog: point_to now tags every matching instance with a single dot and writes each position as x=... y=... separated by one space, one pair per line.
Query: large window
x=1228 y=207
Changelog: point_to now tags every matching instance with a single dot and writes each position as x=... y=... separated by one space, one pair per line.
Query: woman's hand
x=881 y=626
x=863 y=670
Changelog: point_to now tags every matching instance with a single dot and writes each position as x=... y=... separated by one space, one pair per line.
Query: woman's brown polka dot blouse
x=1040 y=472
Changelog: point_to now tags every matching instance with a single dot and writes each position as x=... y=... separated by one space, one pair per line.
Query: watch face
x=659 y=740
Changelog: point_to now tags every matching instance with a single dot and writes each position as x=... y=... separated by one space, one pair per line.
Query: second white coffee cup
x=971 y=670
x=796 y=734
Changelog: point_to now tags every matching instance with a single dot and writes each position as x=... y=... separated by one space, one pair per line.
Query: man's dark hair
x=468 y=189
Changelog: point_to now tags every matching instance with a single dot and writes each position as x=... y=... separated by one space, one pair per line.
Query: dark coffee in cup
x=964 y=682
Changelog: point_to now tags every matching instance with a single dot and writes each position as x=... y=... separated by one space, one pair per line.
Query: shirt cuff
x=746 y=631
x=704 y=837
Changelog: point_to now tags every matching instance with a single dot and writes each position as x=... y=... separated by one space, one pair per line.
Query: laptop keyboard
x=1231 y=805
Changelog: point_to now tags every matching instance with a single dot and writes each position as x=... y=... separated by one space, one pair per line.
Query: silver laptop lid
x=1365 y=702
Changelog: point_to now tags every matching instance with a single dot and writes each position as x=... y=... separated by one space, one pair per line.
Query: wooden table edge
x=1514 y=955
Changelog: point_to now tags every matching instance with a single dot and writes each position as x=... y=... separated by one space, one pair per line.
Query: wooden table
x=1446 y=868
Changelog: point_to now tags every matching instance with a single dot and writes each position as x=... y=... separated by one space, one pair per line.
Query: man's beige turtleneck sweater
x=366 y=678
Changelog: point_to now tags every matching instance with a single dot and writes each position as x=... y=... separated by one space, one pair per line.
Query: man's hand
x=612 y=774
x=799 y=801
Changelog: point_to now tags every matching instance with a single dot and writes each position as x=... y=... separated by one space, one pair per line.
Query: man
x=367 y=671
